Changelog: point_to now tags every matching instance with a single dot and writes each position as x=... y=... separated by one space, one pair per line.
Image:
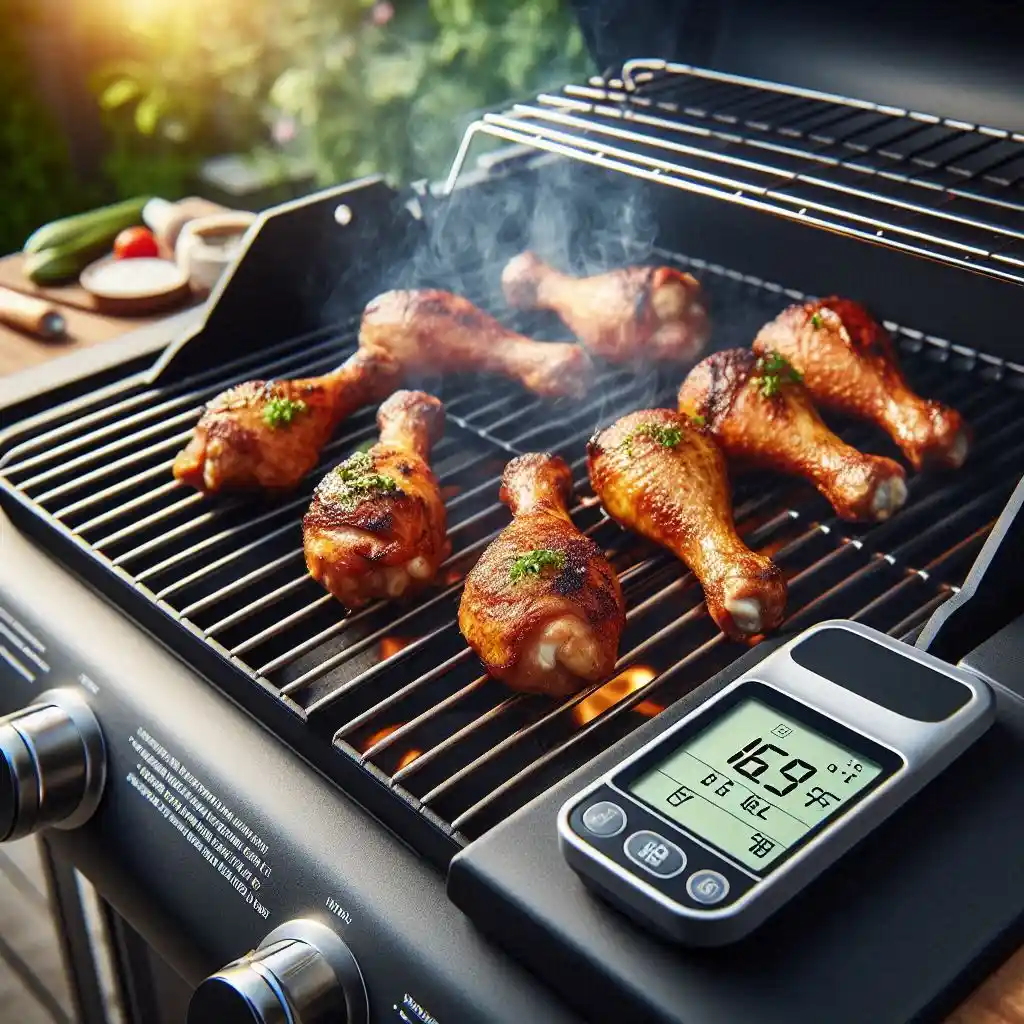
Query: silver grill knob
x=52 y=765
x=302 y=973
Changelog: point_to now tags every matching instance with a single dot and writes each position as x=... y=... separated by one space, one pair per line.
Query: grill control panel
x=302 y=971
x=52 y=765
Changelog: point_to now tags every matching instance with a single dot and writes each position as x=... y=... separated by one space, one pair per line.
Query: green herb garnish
x=279 y=412
x=354 y=481
x=533 y=563
x=816 y=321
x=666 y=436
x=359 y=463
x=771 y=371
x=698 y=420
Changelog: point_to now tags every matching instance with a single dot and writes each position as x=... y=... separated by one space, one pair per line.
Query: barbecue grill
x=726 y=176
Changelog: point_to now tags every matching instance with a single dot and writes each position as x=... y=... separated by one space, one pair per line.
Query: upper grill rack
x=394 y=688
x=939 y=188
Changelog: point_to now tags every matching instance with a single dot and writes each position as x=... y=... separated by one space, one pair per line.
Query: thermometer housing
x=711 y=827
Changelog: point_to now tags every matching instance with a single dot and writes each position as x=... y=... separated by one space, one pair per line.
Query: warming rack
x=935 y=187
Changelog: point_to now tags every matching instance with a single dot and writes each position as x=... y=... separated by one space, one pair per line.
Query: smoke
x=578 y=218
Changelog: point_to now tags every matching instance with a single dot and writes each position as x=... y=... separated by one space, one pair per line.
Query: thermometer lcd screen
x=755 y=782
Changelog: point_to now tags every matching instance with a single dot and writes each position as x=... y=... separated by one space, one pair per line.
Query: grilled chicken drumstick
x=376 y=526
x=439 y=331
x=652 y=313
x=658 y=475
x=268 y=434
x=848 y=364
x=542 y=608
x=760 y=413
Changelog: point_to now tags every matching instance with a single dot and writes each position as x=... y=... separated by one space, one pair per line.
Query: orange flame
x=407 y=758
x=380 y=734
x=392 y=645
x=618 y=688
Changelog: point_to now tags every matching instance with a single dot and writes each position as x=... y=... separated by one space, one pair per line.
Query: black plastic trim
x=880 y=675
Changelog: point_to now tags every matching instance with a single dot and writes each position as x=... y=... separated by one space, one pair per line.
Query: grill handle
x=992 y=595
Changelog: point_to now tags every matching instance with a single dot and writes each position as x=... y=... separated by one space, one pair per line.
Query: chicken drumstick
x=657 y=474
x=435 y=330
x=635 y=313
x=268 y=434
x=376 y=526
x=759 y=412
x=542 y=607
x=848 y=364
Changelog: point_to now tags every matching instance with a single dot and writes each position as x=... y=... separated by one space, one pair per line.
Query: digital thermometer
x=716 y=823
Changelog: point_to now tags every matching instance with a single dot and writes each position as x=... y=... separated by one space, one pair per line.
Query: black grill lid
x=939 y=56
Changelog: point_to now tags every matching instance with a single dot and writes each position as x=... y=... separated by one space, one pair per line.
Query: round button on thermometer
x=604 y=819
x=707 y=886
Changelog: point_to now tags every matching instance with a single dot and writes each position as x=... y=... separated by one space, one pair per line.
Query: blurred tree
x=36 y=183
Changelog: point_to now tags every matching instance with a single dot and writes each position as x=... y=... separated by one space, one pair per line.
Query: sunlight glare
x=155 y=10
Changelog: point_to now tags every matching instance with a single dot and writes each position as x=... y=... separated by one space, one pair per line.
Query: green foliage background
x=36 y=184
x=347 y=86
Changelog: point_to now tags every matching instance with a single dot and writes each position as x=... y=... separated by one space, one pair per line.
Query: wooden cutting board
x=72 y=296
x=85 y=325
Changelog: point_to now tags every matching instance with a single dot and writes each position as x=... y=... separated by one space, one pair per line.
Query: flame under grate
x=395 y=686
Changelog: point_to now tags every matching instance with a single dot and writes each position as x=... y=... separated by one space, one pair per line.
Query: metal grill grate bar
x=243 y=582
x=635 y=612
x=579 y=738
x=189 y=403
x=222 y=511
x=120 y=412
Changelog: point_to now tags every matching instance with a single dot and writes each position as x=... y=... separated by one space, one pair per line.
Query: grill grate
x=394 y=686
x=935 y=187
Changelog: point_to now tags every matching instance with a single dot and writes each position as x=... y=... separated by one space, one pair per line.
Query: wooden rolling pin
x=31 y=315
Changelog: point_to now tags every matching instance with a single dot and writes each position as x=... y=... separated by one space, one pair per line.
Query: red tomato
x=134 y=243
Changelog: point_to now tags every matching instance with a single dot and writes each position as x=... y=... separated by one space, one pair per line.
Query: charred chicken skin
x=660 y=476
x=760 y=413
x=268 y=434
x=848 y=364
x=655 y=314
x=439 y=331
x=376 y=525
x=542 y=607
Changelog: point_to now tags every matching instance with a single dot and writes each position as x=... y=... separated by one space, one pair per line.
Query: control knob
x=52 y=765
x=302 y=973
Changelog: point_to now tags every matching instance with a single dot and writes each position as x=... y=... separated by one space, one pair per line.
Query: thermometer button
x=655 y=854
x=604 y=819
x=707 y=887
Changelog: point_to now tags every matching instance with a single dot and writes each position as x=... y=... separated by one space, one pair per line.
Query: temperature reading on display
x=754 y=782
x=754 y=763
